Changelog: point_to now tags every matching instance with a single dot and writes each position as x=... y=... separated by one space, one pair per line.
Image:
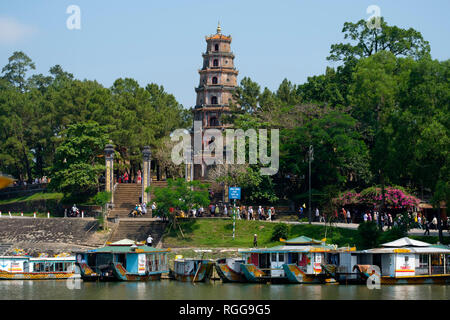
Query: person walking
x=250 y=213
x=139 y=176
x=259 y=213
x=300 y=212
x=144 y=208
x=269 y=214
x=217 y=211
x=317 y=215
x=434 y=223
x=255 y=240
x=149 y=240
x=427 y=227
x=365 y=217
x=225 y=210
x=349 y=217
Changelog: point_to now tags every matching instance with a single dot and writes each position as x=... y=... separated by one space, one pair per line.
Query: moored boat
x=298 y=260
x=124 y=260
x=405 y=261
x=42 y=268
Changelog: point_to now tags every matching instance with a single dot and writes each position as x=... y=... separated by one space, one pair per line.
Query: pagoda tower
x=218 y=80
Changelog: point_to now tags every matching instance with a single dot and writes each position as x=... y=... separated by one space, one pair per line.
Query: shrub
x=392 y=234
x=368 y=235
x=281 y=230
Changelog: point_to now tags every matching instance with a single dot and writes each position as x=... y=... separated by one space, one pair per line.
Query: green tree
x=78 y=160
x=368 y=41
x=179 y=195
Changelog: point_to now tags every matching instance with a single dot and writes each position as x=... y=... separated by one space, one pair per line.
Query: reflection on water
x=167 y=290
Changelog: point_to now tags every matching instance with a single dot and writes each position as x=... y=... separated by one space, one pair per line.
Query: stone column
x=109 y=156
x=146 y=176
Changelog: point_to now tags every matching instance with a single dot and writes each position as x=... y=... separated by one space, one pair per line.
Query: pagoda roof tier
x=215 y=87
x=213 y=107
x=219 y=69
x=218 y=53
x=218 y=36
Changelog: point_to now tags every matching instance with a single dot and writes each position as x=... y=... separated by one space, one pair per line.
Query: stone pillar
x=109 y=156
x=146 y=176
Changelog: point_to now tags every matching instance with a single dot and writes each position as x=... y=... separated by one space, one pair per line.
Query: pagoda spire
x=219 y=29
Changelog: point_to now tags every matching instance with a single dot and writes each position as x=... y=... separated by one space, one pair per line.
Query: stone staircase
x=139 y=230
x=127 y=195
x=4 y=247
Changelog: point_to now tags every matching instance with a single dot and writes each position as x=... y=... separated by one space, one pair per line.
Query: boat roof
x=406 y=245
x=71 y=258
x=126 y=249
x=406 y=242
x=293 y=248
x=302 y=240
x=123 y=242
x=418 y=250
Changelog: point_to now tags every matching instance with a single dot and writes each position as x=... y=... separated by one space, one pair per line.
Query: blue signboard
x=234 y=193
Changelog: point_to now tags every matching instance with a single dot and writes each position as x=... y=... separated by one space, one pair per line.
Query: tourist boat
x=24 y=267
x=298 y=260
x=405 y=261
x=192 y=270
x=124 y=260
x=229 y=269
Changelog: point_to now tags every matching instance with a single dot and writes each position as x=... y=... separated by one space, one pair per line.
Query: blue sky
x=162 y=41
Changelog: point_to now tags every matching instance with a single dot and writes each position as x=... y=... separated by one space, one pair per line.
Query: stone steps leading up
x=139 y=231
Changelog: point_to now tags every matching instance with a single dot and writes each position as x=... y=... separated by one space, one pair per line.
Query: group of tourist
x=126 y=178
x=241 y=212
x=41 y=180
x=140 y=209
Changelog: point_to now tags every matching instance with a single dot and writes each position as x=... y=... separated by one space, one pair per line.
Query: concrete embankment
x=54 y=235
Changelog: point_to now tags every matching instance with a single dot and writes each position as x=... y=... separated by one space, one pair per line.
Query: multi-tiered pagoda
x=217 y=81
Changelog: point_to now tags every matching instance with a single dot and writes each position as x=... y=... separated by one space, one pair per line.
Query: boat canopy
x=407 y=245
x=302 y=240
x=406 y=242
x=292 y=248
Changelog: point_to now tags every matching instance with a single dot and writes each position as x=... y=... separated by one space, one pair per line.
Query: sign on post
x=234 y=193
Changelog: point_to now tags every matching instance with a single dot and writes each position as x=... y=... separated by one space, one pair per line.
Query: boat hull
x=229 y=275
x=122 y=275
x=296 y=275
x=6 y=275
x=254 y=275
x=418 y=279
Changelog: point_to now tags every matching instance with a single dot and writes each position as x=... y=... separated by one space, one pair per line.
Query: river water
x=168 y=290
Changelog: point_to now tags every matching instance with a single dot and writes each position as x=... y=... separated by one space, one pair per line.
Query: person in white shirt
x=149 y=240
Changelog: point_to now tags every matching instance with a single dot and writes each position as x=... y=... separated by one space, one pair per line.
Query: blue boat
x=124 y=260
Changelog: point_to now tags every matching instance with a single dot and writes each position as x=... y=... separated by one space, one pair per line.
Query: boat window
x=38 y=267
x=281 y=257
x=273 y=257
x=406 y=258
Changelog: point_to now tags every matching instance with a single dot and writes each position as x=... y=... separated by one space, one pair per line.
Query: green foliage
x=392 y=234
x=180 y=195
x=102 y=198
x=368 y=235
x=77 y=164
x=369 y=41
x=280 y=231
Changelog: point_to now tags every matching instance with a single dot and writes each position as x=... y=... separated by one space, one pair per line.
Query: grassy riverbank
x=36 y=196
x=218 y=233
